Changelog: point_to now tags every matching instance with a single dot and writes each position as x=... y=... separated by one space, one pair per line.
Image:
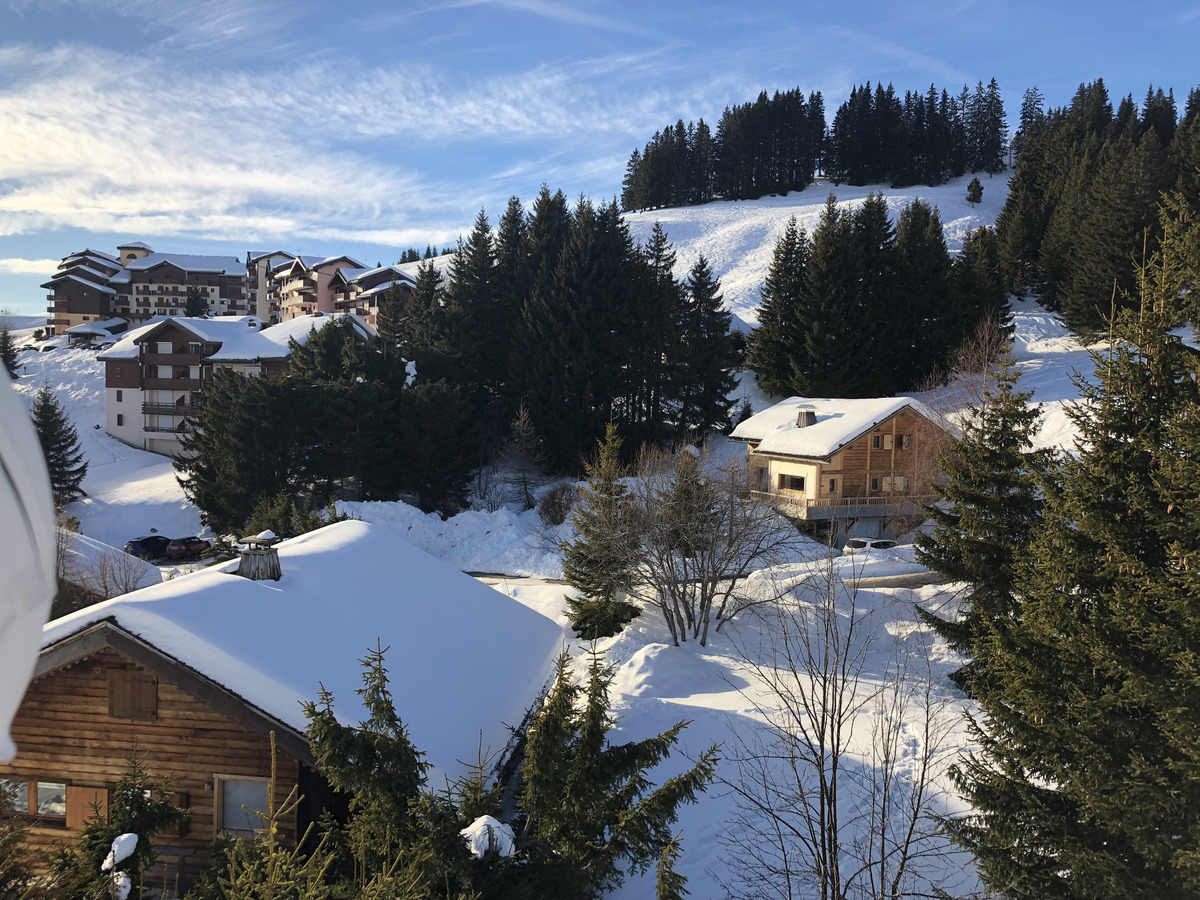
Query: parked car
x=151 y=546
x=865 y=545
x=186 y=548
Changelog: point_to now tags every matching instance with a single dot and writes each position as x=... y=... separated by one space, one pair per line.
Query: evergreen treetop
x=8 y=353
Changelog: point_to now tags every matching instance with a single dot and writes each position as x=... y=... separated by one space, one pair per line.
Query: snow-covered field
x=738 y=237
x=714 y=687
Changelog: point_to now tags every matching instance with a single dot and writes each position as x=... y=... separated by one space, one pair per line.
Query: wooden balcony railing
x=171 y=384
x=171 y=359
x=168 y=409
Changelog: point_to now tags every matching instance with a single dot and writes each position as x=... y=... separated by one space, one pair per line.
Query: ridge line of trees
x=778 y=143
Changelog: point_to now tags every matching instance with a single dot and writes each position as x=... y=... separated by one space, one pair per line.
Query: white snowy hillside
x=129 y=491
x=738 y=237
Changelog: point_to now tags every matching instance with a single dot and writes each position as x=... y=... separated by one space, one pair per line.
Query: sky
x=221 y=126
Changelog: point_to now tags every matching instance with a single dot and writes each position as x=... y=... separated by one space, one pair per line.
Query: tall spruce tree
x=601 y=561
x=829 y=322
x=8 y=353
x=1086 y=781
x=776 y=345
x=917 y=326
x=708 y=355
x=988 y=509
x=61 y=448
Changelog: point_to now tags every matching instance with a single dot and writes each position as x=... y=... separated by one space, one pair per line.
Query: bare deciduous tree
x=838 y=794
x=699 y=537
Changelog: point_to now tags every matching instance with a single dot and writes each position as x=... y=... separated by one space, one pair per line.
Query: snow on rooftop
x=461 y=656
x=190 y=263
x=838 y=422
x=54 y=282
x=101 y=328
x=136 y=245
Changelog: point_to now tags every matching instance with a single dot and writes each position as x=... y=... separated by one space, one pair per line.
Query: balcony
x=168 y=409
x=171 y=384
x=162 y=429
x=171 y=359
x=876 y=506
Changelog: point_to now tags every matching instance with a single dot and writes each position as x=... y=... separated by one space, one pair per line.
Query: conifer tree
x=61 y=448
x=975 y=191
x=918 y=326
x=425 y=333
x=8 y=353
x=988 y=511
x=601 y=561
x=588 y=809
x=709 y=354
x=1086 y=777
x=389 y=320
x=197 y=302
x=523 y=457
x=776 y=345
x=977 y=287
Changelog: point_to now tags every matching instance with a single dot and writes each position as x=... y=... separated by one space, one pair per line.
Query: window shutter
x=82 y=804
x=132 y=695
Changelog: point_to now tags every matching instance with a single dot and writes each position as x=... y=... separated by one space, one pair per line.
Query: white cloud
x=18 y=266
x=141 y=145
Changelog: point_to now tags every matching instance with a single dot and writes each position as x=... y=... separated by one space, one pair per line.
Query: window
x=119 y=396
x=791 y=482
x=236 y=800
x=833 y=485
x=45 y=799
x=874 y=483
x=120 y=420
x=132 y=695
x=881 y=442
x=905 y=441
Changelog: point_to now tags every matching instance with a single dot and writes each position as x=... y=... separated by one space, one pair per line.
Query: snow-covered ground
x=129 y=491
x=738 y=237
x=656 y=685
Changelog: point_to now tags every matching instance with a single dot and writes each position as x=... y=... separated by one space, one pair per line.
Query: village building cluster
x=95 y=293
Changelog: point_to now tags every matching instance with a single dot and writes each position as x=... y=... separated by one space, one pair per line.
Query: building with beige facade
x=155 y=373
x=855 y=466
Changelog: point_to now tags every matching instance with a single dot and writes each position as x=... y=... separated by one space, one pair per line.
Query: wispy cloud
x=16 y=266
x=113 y=143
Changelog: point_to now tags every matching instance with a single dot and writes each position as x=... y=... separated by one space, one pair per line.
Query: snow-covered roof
x=122 y=277
x=301 y=328
x=136 y=245
x=241 y=338
x=227 y=265
x=838 y=422
x=90 y=252
x=350 y=261
x=449 y=638
x=126 y=347
x=257 y=255
x=86 y=258
x=80 y=268
x=104 y=329
x=58 y=279
x=381 y=288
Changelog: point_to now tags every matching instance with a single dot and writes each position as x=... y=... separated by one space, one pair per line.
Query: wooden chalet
x=193 y=676
x=855 y=465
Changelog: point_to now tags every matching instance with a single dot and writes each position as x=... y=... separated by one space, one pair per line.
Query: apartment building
x=358 y=291
x=154 y=374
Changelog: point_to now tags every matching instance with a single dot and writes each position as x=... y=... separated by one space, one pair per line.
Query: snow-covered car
x=866 y=545
x=186 y=548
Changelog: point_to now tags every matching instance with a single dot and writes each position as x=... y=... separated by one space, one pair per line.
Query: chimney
x=806 y=416
x=260 y=559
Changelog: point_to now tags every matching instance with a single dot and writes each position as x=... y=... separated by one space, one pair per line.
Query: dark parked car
x=152 y=546
x=186 y=548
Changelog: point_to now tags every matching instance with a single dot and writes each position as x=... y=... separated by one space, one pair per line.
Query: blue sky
x=217 y=126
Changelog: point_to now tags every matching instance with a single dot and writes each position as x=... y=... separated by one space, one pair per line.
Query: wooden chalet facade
x=853 y=464
x=103 y=696
x=194 y=675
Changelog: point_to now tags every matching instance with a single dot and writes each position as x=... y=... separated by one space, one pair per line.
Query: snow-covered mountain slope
x=738 y=237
